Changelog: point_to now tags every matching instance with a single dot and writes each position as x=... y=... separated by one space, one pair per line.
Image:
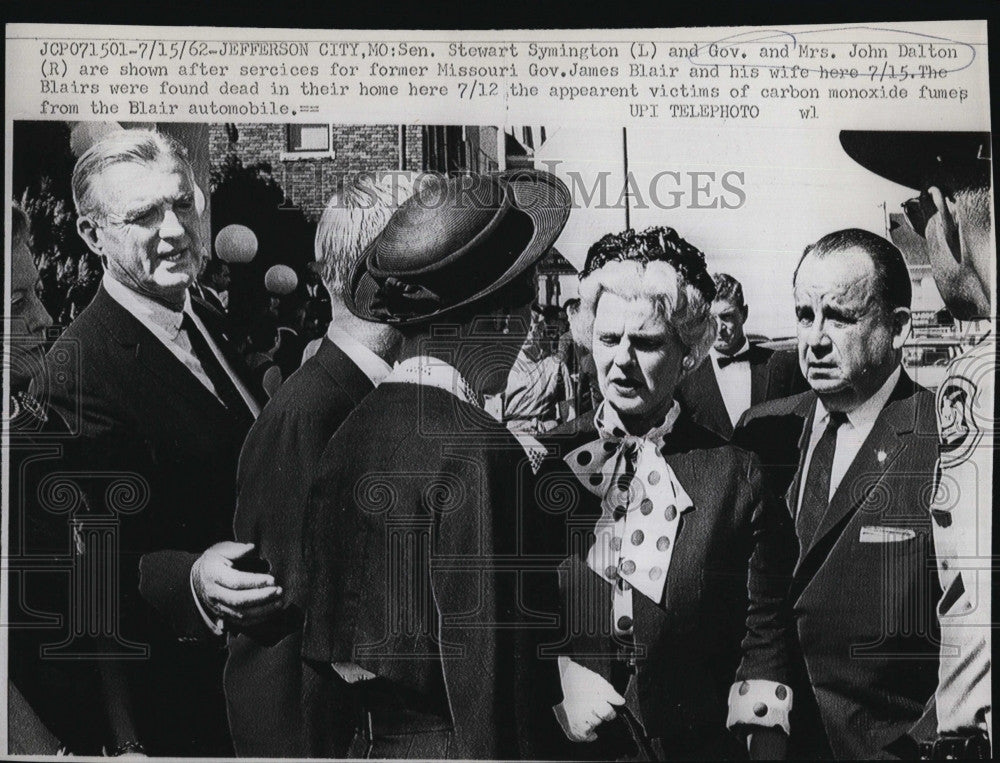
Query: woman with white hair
x=682 y=557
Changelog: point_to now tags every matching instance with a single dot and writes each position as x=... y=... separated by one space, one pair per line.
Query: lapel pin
x=880 y=456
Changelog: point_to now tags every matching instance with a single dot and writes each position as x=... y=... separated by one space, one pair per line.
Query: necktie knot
x=837 y=420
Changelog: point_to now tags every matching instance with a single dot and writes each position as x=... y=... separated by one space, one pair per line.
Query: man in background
x=213 y=285
x=277 y=705
x=952 y=172
x=427 y=592
x=29 y=318
x=737 y=374
x=539 y=394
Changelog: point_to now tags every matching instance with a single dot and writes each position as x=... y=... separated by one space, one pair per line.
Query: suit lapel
x=684 y=571
x=758 y=374
x=708 y=407
x=209 y=302
x=878 y=452
x=805 y=410
x=173 y=375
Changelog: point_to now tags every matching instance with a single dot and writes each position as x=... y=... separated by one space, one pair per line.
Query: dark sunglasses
x=919 y=210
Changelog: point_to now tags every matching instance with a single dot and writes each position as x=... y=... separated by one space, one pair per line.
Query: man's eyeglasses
x=918 y=211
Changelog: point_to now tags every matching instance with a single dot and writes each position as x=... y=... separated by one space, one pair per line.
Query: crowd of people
x=659 y=541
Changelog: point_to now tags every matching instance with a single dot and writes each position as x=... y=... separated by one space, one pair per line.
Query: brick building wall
x=414 y=148
x=309 y=182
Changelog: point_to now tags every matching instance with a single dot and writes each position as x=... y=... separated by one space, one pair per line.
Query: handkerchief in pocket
x=878 y=534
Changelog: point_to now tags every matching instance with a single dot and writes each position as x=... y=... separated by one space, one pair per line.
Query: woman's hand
x=588 y=701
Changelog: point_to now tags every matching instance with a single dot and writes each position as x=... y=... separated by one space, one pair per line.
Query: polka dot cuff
x=759 y=703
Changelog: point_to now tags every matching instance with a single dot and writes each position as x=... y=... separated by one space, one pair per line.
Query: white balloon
x=236 y=243
x=280 y=279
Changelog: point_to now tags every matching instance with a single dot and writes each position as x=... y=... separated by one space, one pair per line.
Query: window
x=307 y=142
x=308 y=138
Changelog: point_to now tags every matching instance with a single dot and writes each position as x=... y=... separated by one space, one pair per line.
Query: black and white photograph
x=581 y=439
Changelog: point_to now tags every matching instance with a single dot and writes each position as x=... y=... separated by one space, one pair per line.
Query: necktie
x=725 y=360
x=816 y=497
x=225 y=390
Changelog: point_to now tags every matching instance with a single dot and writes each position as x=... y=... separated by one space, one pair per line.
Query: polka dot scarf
x=641 y=502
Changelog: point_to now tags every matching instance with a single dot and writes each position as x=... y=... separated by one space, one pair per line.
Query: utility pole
x=628 y=219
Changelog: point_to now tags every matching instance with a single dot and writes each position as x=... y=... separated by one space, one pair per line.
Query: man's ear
x=901 y=326
x=88 y=231
x=946 y=209
x=746 y=312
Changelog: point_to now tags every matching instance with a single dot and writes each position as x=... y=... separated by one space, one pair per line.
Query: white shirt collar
x=371 y=365
x=222 y=296
x=716 y=354
x=145 y=309
x=866 y=413
x=434 y=372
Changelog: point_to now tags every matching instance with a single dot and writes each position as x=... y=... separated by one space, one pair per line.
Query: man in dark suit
x=213 y=285
x=856 y=455
x=429 y=599
x=147 y=384
x=737 y=374
x=269 y=689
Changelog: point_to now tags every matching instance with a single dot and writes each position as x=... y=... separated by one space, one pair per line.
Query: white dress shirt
x=850 y=436
x=165 y=325
x=734 y=382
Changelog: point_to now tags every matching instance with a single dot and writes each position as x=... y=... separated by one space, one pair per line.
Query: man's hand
x=588 y=701
x=240 y=598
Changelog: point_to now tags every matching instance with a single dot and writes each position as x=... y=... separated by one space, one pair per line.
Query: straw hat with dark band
x=455 y=242
x=916 y=159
